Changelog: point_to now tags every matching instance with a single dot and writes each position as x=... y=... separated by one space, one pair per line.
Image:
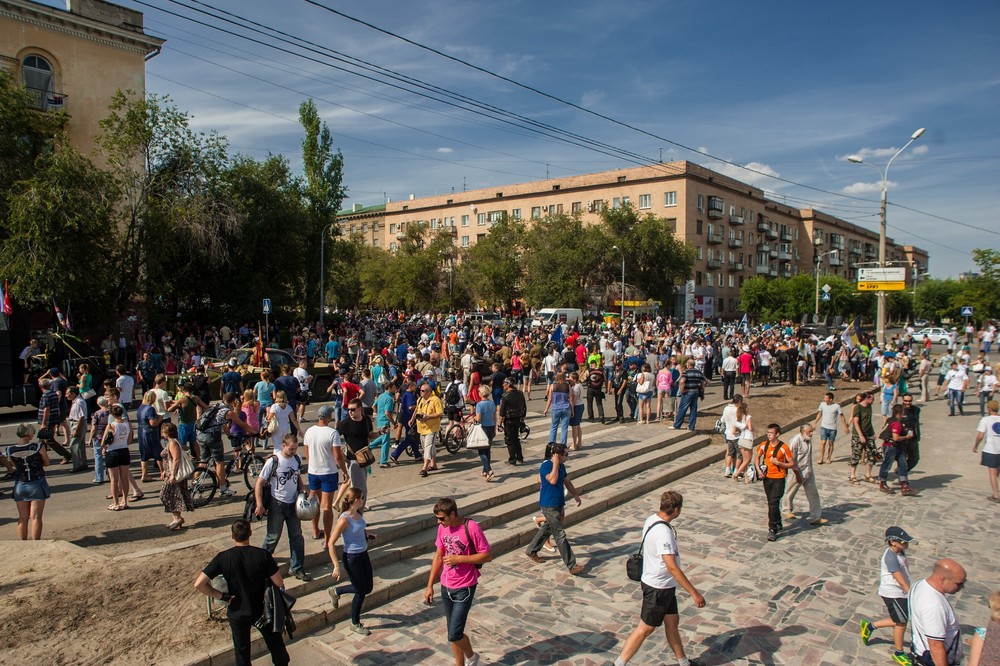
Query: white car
x=937 y=335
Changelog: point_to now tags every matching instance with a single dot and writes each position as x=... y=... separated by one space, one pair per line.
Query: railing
x=716 y=213
x=736 y=219
x=772 y=233
x=735 y=242
x=773 y=272
x=763 y=269
x=786 y=237
x=735 y=265
x=714 y=238
x=46 y=100
x=715 y=263
x=784 y=256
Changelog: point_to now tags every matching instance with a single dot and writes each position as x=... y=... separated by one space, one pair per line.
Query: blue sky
x=789 y=87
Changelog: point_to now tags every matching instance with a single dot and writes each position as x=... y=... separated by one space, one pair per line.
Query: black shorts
x=765 y=370
x=657 y=604
x=899 y=609
x=117 y=458
x=212 y=447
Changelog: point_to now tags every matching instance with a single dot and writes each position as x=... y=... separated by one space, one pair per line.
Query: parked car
x=937 y=335
x=920 y=323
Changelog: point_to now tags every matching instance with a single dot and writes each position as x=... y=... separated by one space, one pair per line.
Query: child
x=894 y=589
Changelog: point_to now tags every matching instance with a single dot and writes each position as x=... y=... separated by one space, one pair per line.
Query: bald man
x=937 y=635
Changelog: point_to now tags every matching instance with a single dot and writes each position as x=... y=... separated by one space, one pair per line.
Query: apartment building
x=736 y=231
x=74 y=60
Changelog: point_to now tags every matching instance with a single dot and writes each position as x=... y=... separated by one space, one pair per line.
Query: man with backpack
x=775 y=458
x=209 y=427
x=282 y=473
x=454 y=398
x=661 y=574
x=596 y=381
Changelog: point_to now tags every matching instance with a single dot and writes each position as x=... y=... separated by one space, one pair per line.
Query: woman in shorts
x=742 y=429
x=115 y=443
x=645 y=387
x=30 y=487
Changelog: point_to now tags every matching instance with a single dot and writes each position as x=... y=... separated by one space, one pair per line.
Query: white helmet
x=306 y=507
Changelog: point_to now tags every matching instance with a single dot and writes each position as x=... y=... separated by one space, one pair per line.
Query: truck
x=552 y=316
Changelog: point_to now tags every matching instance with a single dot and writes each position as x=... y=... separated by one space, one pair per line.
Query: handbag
x=185 y=468
x=364 y=457
x=633 y=563
x=109 y=439
x=477 y=439
x=87 y=395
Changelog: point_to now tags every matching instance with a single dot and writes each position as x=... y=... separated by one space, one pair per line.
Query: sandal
x=112 y=507
x=489 y=476
x=854 y=481
x=870 y=479
x=137 y=497
x=174 y=526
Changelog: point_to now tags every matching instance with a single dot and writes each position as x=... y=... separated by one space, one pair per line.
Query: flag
x=59 y=315
x=69 y=324
x=743 y=323
x=7 y=309
x=258 y=352
x=850 y=334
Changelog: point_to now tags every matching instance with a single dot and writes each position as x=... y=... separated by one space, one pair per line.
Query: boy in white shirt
x=894 y=588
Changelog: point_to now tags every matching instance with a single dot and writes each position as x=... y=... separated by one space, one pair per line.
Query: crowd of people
x=394 y=383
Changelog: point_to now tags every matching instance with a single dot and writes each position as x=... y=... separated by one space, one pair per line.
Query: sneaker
x=473 y=660
x=790 y=516
x=302 y=575
x=383 y=465
x=227 y=492
x=729 y=474
x=772 y=536
x=901 y=658
x=866 y=631
x=819 y=521
x=360 y=629
x=334 y=597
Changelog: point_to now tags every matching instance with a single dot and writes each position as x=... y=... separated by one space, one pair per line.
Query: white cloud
x=920 y=150
x=445 y=151
x=758 y=175
x=882 y=154
x=591 y=98
x=867 y=188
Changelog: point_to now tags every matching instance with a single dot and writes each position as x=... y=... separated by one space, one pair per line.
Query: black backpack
x=208 y=421
x=452 y=396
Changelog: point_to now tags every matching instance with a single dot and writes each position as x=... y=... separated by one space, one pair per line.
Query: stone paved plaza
x=796 y=601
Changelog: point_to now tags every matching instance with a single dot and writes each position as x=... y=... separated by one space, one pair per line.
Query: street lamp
x=880 y=316
x=816 y=262
x=622 y=320
x=322 y=269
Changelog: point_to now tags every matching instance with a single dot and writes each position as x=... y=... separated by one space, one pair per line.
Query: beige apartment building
x=74 y=60
x=736 y=231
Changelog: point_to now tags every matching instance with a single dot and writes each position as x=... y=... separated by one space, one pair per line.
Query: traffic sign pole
x=266 y=307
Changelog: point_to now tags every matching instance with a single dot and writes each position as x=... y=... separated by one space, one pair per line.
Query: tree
x=25 y=134
x=492 y=268
x=322 y=190
x=409 y=278
x=934 y=298
x=561 y=258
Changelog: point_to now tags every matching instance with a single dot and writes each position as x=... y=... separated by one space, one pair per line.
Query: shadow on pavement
x=561 y=648
x=151 y=532
x=936 y=481
x=760 y=642
x=383 y=656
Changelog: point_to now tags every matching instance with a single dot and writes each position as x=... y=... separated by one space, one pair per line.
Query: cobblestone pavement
x=797 y=601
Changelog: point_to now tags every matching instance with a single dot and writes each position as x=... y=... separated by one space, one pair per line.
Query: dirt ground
x=102 y=598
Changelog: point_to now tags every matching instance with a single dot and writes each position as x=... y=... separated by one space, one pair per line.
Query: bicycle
x=457 y=433
x=205 y=483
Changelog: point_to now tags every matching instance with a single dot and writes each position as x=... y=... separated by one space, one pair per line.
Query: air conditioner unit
x=545 y=208
x=590 y=207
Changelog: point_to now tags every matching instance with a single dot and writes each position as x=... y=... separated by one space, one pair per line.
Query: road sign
x=966 y=311
x=886 y=274
x=825 y=297
x=881 y=286
x=267 y=306
x=827 y=289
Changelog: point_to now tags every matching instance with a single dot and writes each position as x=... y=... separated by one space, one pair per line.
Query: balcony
x=818 y=240
x=716 y=213
x=715 y=263
x=771 y=233
x=773 y=272
x=46 y=100
x=763 y=269
x=855 y=250
x=871 y=255
x=835 y=260
x=837 y=243
x=786 y=273
x=735 y=242
x=736 y=219
x=763 y=247
x=784 y=256
x=714 y=238
x=735 y=265
x=773 y=253
x=786 y=237
x=763 y=225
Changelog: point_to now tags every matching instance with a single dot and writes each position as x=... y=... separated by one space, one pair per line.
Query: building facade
x=74 y=60
x=736 y=231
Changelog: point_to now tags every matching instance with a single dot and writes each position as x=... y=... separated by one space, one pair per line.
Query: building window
x=597 y=206
x=670 y=199
x=374 y=242
x=434 y=223
x=465 y=241
x=615 y=203
x=516 y=213
x=556 y=187
x=697 y=227
x=709 y=279
x=465 y=220
x=499 y=195
x=496 y=216
x=700 y=251
x=577 y=207
x=716 y=203
x=621 y=179
x=732 y=280
x=559 y=209
x=536 y=212
x=352 y=228
x=701 y=202
x=697 y=278
x=36 y=72
x=750 y=238
x=672 y=223
x=481 y=219
x=392 y=228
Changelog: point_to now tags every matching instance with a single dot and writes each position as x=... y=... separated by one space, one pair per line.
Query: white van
x=551 y=316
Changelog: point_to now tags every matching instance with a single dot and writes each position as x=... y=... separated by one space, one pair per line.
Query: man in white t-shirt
x=826 y=419
x=283 y=472
x=302 y=376
x=126 y=387
x=326 y=460
x=661 y=574
x=956 y=382
x=989 y=429
x=936 y=632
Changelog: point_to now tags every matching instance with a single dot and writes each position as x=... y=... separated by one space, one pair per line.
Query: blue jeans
x=955 y=399
x=484 y=454
x=100 y=471
x=359 y=570
x=893 y=453
x=984 y=397
x=278 y=516
x=560 y=417
x=457 y=604
x=689 y=401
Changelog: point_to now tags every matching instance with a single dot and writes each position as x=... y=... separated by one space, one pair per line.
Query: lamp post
x=917 y=276
x=880 y=316
x=322 y=269
x=816 y=262
x=622 y=320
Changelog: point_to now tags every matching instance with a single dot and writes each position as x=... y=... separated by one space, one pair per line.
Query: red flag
x=7 y=309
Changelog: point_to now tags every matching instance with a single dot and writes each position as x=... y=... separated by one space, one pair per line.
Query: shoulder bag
x=477 y=439
x=633 y=563
x=185 y=468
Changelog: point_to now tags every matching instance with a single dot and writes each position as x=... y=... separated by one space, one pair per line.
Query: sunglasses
x=440 y=519
x=352 y=409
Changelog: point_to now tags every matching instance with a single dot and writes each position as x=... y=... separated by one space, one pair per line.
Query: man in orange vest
x=775 y=459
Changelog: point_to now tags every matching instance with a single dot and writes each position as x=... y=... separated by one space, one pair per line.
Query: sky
x=789 y=89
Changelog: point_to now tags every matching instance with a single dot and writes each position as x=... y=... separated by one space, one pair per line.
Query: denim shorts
x=185 y=434
x=457 y=603
x=828 y=434
x=325 y=482
x=30 y=491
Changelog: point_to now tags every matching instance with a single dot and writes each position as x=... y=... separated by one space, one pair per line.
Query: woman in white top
x=742 y=429
x=115 y=443
x=283 y=416
x=731 y=435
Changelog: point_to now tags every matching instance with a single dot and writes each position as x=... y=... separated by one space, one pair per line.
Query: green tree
x=561 y=259
x=410 y=278
x=934 y=299
x=322 y=190
x=492 y=268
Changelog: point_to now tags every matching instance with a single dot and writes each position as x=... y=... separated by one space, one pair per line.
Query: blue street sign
x=825 y=297
x=966 y=311
x=267 y=306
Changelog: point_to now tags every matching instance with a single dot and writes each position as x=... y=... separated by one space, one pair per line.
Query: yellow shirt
x=433 y=410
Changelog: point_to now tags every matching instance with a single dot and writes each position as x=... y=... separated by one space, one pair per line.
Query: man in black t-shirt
x=246 y=569
x=692 y=383
x=357 y=432
x=596 y=381
x=513 y=409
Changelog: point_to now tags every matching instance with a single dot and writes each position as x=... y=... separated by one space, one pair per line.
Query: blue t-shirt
x=354 y=537
x=332 y=349
x=406 y=404
x=486 y=411
x=264 y=392
x=383 y=404
x=231 y=381
x=552 y=494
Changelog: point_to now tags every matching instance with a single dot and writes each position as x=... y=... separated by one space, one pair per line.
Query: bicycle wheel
x=251 y=470
x=454 y=438
x=204 y=487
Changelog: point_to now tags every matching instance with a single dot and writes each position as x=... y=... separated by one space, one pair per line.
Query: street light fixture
x=622 y=320
x=880 y=316
x=816 y=261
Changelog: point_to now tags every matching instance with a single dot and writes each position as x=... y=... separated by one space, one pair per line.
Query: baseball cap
x=325 y=412
x=896 y=533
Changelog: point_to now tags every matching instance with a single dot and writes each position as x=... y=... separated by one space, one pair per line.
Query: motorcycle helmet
x=306 y=507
